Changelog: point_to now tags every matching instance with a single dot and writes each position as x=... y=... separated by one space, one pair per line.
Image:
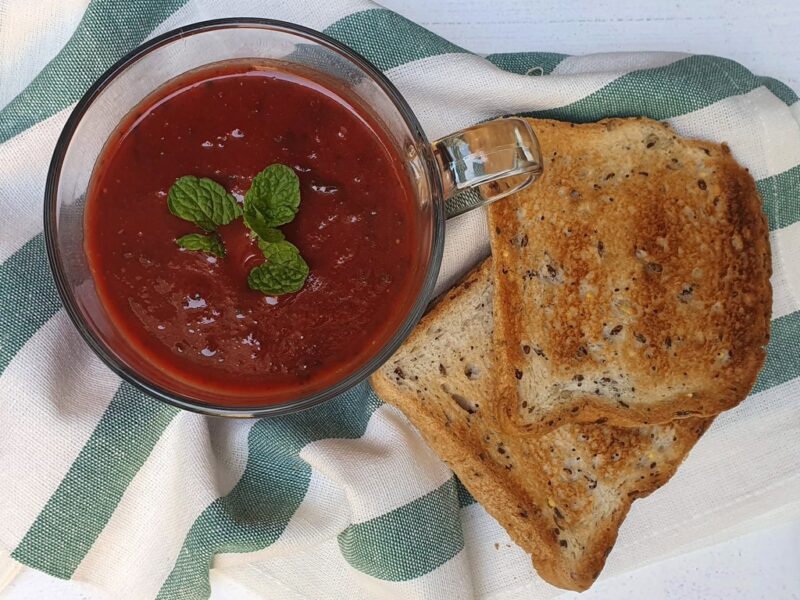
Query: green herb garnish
x=284 y=272
x=270 y=235
x=203 y=202
x=272 y=200
x=210 y=244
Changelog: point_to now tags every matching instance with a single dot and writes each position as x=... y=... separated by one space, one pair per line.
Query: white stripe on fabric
x=785 y=270
x=322 y=514
x=226 y=587
x=195 y=461
x=54 y=386
x=401 y=465
x=319 y=572
x=452 y=579
x=9 y=569
x=25 y=159
x=496 y=564
x=30 y=38
x=769 y=152
x=616 y=62
x=312 y=14
x=466 y=242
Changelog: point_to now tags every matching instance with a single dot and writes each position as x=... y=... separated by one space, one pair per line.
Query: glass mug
x=487 y=162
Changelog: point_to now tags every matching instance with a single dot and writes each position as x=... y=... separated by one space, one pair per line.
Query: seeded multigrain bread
x=561 y=497
x=632 y=279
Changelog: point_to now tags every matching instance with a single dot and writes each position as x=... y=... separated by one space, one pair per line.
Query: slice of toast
x=632 y=279
x=561 y=497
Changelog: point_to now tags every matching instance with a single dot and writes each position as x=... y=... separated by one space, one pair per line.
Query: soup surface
x=192 y=315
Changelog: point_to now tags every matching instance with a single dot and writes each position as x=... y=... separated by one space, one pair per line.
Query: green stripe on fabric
x=527 y=63
x=783 y=353
x=663 y=92
x=85 y=499
x=409 y=541
x=256 y=512
x=464 y=497
x=108 y=30
x=781 y=196
x=388 y=40
x=28 y=297
x=780 y=89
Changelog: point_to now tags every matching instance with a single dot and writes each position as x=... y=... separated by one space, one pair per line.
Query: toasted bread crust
x=632 y=279
x=521 y=481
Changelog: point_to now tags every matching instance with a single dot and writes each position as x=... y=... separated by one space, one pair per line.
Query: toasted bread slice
x=632 y=279
x=561 y=497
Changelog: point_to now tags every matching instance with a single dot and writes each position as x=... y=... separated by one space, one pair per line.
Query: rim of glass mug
x=456 y=163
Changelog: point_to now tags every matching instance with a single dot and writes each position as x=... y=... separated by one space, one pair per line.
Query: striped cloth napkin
x=101 y=484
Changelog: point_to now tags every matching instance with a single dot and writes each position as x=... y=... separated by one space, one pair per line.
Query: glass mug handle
x=487 y=162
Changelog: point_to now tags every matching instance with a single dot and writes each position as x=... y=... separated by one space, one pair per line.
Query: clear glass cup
x=487 y=162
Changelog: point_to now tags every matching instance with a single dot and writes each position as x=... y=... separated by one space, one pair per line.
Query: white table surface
x=765 y=37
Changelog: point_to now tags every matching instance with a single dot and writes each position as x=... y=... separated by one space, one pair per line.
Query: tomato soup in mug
x=193 y=315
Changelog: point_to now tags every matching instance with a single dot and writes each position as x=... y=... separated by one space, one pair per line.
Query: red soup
x=192 y=315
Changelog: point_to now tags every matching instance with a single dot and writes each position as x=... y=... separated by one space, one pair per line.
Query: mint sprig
x=210 y=244
x=272 y=200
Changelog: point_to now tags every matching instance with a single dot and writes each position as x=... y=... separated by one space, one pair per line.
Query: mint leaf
x=270 y=236
x=272 y=200
x=203 y=202
x=210 y=244
x=284 y=272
